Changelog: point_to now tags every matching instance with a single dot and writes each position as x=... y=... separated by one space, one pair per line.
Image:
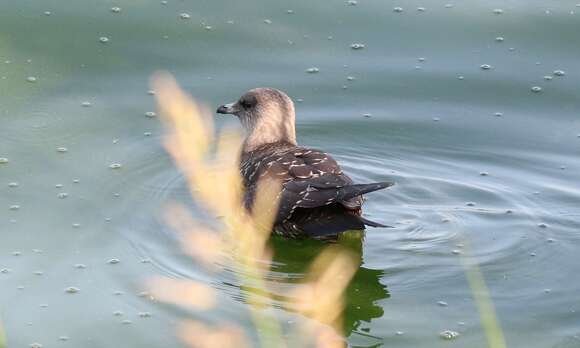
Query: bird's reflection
x=293 y=257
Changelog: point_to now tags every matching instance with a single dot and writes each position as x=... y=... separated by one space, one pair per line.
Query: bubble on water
x=421 y=9
x=144 y=314
x=4 y=160
x=352 y=2
x=59 y=186
x=485 y=66
x=461 y=77
x=289 y=11
x=115 y=9
x=547 y=291
x=421 y=59
x=184 y=15
x=448 y=335
x=509 y=211
x=115 y=165
x=113 y=261
x=86 y=104
x=118 y=293
x=548 y=78
x=442 y=303
x=470 y=204
x=103 y=39
x=499 y=39
x=147 y=134
x=5 y=270
x=126 y=322
x=72 y=290
x=62 y=195
x=143 y=294
x=559 y=72
x=536 y=89
x=542 y=225
x=268 y=21
x=47 y=13
x=436 y=119
x=357 y=46
x=35 y=345
x=20 y=287
x=483 y=173
x=398 y=9
x=118 y=313
x=367 y=115
x=63 y=338
x=208 y=27
x=533 y=254
x=151 y=92
x=550 y=240
x=31 y=79
x=449 y=5
x=61 y=149
x=150 y=114
x=498 y=11
x=80 y=266
x=456 y=252
x=498 y=114
x=145 y=261
x=14 y=207
x=16 y=253
x=76 y=225
x=399 y=333
x=164 y=2
x=13 y=184
x=38 y=273
x=312 y=70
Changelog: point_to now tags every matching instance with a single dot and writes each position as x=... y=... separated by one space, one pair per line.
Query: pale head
x=267 y=115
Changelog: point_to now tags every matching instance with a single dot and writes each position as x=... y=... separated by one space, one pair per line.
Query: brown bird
x=317 y=199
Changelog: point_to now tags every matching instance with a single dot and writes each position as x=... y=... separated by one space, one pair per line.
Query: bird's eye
x=245 y=103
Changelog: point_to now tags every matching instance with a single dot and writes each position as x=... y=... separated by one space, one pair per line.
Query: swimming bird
x=317 y=199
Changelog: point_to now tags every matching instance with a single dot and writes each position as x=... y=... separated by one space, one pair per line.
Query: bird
x=317 y=199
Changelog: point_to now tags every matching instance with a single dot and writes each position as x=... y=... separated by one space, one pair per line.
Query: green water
x=464 y=144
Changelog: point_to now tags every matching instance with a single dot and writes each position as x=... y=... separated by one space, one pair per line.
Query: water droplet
x=5 y=270
x=31 y=79
x=14 y=207
x=150 y=114
x=367 y=115
x=184 y=16
x=499 y=39
x=498 y=114
x=448 y=335
x=548 y=78
x=460 y=77
x=76 y=225
x=268 y=21
x=16 y=253
x=62 y=149
x=436 y=119
x=456 y=252
x=542 y=225
x=485 y=67
x=533 y=254
x=442 y=303
x=399 y=333
x=62 y=195
x=449 y=5
x=421 y=59
x=484 y=173
x=35 y=345
x=421 y=9
x=398 y=9
x=115 y=9
x=559 y=72
x=113 y=261
x=352 y=2
x=498 y=11
x=86 y=104
x=103 y=39
x=547 y=291
x=147 y=134
x=145 y=314
x=63 y=338
x=72 y=290
x=290 y=11
x=118 y=313
x=509 y=211
x=13 y=184
x=312 y=70
x=38 y=273
x=80 y=266
x=47 y=13
x=126 y=322
x=4 y=160
x=470 y=204
x=536 y=89
x=550 y=240
x=115 y=165
x=357 y=46
x=208 y=27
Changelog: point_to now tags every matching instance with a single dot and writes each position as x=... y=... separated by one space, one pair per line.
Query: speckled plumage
x=317 y=199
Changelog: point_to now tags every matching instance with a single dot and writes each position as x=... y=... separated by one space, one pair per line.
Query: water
x=483 y=165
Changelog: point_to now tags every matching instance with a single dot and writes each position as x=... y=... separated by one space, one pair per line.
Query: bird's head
x=267 y=115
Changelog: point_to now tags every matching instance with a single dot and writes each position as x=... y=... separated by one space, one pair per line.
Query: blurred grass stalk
x=211 y=167
x=483 y=301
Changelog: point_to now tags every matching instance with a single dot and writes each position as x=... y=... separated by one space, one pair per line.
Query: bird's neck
x=268 y=131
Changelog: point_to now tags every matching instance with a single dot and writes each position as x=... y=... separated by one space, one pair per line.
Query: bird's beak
x=227 y=109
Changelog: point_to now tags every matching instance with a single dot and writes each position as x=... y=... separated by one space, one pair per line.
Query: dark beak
x=226 y=109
